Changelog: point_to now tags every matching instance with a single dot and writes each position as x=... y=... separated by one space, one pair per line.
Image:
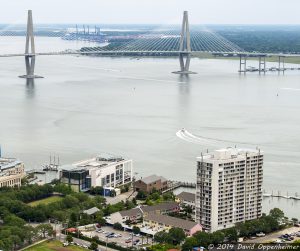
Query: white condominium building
x=11 y=172
x=229 y=187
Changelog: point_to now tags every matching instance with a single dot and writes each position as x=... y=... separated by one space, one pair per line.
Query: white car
x=261 y=234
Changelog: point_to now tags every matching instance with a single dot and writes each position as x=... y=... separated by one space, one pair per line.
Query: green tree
x=100 y=220
x=69 y=238
x=231 y=234
x=97 y=190
x=190 y=243
x=93 y=246
x=217 y=237
x=30 y=233
x=136 y=230
x=168 y=196
x=203 y=238
x=117 y=226
x=134 y=201
x=16 y=240
x=155 y=196
x=277 y=214
x=69 y=201
x=13 y=220
x=176 y=235
x=141 y=195
x=162 y=237
x=128 y=222
x=45 y=229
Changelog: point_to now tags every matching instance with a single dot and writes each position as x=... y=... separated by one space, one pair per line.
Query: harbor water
x=133 y=107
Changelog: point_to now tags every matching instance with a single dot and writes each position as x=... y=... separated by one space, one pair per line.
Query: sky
x=152 y=11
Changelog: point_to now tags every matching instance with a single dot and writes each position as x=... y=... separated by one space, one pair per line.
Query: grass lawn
x=45 y=201
x=54 y=245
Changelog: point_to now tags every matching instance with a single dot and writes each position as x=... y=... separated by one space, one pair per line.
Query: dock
x=172 y=185
x=279 y=195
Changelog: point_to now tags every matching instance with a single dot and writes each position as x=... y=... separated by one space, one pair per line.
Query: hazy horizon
x=231 y=12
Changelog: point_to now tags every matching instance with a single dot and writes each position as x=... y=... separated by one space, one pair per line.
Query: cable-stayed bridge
x=182 y=42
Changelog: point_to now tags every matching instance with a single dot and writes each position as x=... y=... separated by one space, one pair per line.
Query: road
x=274 y=236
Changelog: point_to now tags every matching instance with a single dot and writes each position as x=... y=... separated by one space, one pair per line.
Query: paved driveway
x=120 y=197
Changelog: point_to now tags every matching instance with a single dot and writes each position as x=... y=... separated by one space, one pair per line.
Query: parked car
x=110 y=235
x=136 y=242
x=261 y=234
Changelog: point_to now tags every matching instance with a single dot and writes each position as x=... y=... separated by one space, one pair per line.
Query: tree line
x=16 y=214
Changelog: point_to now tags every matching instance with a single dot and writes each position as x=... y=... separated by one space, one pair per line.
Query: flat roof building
x=11 y=172
x=229 y=187
x=105 y=171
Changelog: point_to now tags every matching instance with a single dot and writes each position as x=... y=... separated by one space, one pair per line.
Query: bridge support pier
x=262 y=64
x=243 y=64
x=281 y=61
x=30 y=50
x=185 y=47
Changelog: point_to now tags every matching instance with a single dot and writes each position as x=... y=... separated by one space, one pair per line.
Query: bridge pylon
x=185 y=47
x=30 y=50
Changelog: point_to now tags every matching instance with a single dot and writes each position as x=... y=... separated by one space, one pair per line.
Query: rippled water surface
x=134 y=107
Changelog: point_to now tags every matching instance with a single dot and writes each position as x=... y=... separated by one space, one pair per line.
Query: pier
x=172 y=185
x=279 y=195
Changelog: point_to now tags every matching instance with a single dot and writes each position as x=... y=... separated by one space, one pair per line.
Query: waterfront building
x=150 y=183
x=78 y=179
x=229 y=187
x=104 y=171
x=11 y=172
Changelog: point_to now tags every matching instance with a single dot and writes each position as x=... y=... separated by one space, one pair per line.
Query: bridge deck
x=232 y=54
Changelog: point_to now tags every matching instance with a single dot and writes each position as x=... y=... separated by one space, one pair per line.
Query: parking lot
x=275 y=237
x=122 y=238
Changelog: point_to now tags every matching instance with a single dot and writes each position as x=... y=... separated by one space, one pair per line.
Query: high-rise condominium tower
x=229 y=187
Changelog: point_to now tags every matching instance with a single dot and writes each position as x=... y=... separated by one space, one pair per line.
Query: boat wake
x=290 y=89
x=188 y=137
x=191 y=138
